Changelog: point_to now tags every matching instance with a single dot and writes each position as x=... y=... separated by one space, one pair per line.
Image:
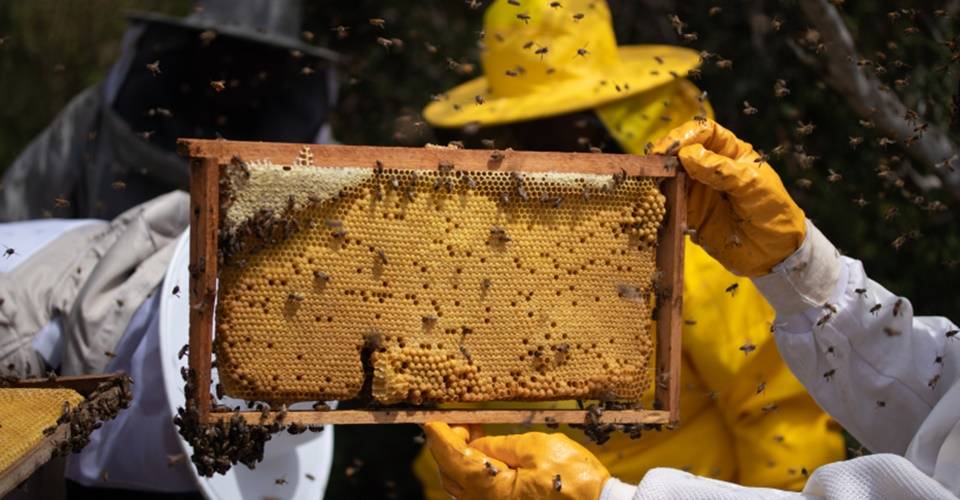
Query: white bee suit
x=888 y=377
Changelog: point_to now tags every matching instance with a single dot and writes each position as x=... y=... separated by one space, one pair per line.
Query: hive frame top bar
x=406 y=158
x=207 y=157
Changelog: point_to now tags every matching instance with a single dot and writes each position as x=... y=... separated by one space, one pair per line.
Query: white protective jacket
x=888 y=377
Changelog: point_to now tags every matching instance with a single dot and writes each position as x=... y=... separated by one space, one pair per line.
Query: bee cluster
x=33 y=413
x=480 y=286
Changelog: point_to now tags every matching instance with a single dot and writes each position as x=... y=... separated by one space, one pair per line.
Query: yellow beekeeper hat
x=544 y=58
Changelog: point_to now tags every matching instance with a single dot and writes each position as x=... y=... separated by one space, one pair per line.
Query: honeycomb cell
x=477 y=287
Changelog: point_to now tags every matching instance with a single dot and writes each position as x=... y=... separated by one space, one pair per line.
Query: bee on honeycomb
x=461 y=316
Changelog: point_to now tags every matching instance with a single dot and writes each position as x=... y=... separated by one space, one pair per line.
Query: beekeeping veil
x=112 y=146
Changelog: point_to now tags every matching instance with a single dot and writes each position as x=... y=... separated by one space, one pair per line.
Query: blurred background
x=782 y=77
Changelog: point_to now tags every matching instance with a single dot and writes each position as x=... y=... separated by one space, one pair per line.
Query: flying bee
x=490 y=468
x=394 y=182
x=429 y=320
x=61 y=202
x=724 y=64
x=154 y=67
x=384 y=42
x=951 y=334
x=218 y=85
x=110 y=354
x=933 y=381
x=379 y=23
x=321 y=276
x=183 y=351
x=762 y=386
x=471 y=184
x=488 y=143
x=897 y=306
x=747 y=348
x=557 y=483
x=542 y=51
x=804 y=129
x=860 y=291
x=582 y=51
x=732 y=289
x=9 y=252
x=829 y=374
x=748 y=109
x=780 y=89
x=497 y=156
x=486 y=284
x=524 y=17
x=294 y=297
x=341 y=31
x=875 y=308
x=382 y=256
x=555 y=5
x=280 y=481
x=577 y=17
x=891 y=332
x=769 y=407
x=478 y=99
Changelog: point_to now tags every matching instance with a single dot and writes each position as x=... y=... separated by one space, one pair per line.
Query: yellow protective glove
x=520 y=466
x=737 y=205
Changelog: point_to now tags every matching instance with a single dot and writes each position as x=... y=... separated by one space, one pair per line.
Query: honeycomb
x=434 y=285
x=26 y=413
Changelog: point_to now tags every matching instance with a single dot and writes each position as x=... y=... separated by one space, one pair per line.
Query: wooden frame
x=40 y=454
x=207 y=157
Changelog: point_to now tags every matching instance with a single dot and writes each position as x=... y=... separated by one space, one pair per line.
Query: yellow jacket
x=744 y=417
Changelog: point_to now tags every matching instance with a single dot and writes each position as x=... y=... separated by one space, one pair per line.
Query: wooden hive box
x=405 y=276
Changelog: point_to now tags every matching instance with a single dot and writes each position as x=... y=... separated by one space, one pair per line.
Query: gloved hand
x=521 y=466
x=737 y=204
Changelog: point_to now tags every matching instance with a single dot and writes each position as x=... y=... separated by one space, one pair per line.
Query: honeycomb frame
x=211 y=160
x=78 y=390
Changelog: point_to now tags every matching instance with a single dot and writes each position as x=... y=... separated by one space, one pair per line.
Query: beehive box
x=434 y=275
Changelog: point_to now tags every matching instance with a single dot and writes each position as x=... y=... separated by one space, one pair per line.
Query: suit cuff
x=615 y=489
x=805 y=279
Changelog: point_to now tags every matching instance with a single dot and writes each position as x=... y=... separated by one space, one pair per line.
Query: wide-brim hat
x=276 y=23
x=543 y=59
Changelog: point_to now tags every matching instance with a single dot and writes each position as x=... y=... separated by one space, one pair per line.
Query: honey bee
x=486 y=284
x=748 y=109
x=762 y=386
x=490 y=468
x=582 y=52
x=61 y=202
x=110 y=354
x=379 y=23
x=747 y=348
x=804 y=129
x=577 y=17
x=218 y=85
x=897 y=306
x=154 y=67
x=382 y=256
x=951 y=334
x=499 y=234
x=875 y=308
x=341 y=31
x=294 y=297
x=891 y=332
x=557 y=483
x=933 y=381
x=524 y=17
x=732 y=289
x=860 y=291
x=8 y=252
x=829 y=374
x=556 y=5
x=769 y=408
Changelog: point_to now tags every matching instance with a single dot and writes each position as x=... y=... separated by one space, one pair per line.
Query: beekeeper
x=83 y=296
x=888 y=377
x=236 y=70
x=746 y=418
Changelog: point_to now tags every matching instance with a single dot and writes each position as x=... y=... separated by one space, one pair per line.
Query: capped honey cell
x=481 y=286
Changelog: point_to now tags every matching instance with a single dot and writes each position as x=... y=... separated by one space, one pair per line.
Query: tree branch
x=933 y=148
